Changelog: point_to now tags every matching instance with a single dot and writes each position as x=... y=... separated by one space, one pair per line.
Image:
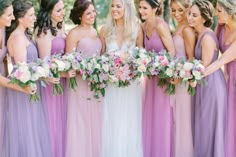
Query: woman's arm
x=139 y=41
x=71 y=40
x=189 y=42
x=102 y=38
x=165 y=35
x=44 y=44
x=228 y=56
x=208 y=46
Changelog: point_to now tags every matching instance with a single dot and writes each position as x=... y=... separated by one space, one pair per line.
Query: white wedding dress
x=122 y=126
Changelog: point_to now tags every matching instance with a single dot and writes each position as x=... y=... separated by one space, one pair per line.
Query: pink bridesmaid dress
x=84 y=118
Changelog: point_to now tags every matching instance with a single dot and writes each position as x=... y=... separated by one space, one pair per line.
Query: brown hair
x=78 y=10
x=206 y=9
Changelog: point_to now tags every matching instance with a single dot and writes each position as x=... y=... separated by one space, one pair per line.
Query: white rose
x=197 y=74
x=26 y=76
x=169 y=72
x=188 y=66
x=61 y=65
x=41 y=72
x=142 y=68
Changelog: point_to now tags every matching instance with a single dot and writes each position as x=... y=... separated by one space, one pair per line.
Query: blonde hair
x=131 y=23
x=229 y=6
x=183 y=3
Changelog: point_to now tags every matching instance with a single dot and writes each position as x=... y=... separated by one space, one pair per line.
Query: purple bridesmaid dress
x=3 y=51
x=25 y=124
x=56 y=107
x=157 y=112
x=209 y=110
x=231 y=98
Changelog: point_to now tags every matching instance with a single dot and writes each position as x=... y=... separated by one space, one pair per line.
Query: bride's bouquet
x=121 y=71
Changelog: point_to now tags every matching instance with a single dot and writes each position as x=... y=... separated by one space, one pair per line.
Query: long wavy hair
x=43 y=22
x=20 y=8
x=131 y=23
x=3 y=5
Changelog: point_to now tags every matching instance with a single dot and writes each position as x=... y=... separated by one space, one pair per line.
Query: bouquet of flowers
x=142 y=62
x=73 y=61
x=190 y=71
x=121 y=71
x=56 y=66
x=27 y=74
x=96 y=72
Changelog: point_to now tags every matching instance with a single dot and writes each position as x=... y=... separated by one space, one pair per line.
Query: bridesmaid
x=209 y=103
x=226 y=33
x=6 y=16
x=184 y=40
x=50 y=39
x=26 y=130
x=157 y=112
x=84 y=118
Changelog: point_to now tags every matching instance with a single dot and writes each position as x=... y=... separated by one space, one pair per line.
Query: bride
x=122 y=124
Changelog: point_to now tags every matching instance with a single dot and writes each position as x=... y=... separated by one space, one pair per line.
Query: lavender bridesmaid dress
x=56 y=107
x=209 y=110
x=181 y=103
x=3 y=51
x=231 y=98
x=84 y=118
x=25 y=124
x=157 y=112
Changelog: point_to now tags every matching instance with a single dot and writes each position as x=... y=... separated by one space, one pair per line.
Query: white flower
x=98 y=66
x=35 y=77
x=41 y=72
x=142 y=50
x=60 y=64
x=142 y=68
x=26 y=76
x=105 y=67
x=182 y=73
x=187 y=66
x=169 y=72
x=197 y=75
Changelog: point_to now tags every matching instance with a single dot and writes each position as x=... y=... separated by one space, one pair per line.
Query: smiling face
x=7 y=17
x=117 y=9
x=194 y=17
x=29 y=18
x=145 y=10
x=178 y=11
x=89 y=15
x=58 y=12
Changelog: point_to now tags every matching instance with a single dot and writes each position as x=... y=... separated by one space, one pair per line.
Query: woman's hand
x=174 y=81
x=71 y=73
x=53 y=80
x=193 y=83
x=30 y=89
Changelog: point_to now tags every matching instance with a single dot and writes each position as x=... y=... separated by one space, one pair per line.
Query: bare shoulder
x=160 y=23
x=188 y=30
x=16 y=38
